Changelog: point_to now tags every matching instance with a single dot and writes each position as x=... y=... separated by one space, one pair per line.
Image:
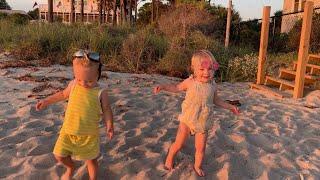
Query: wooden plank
x=314 y=57
x=263 y=44
x=303 y=50
x=269 y=82
x=287 y=74
x=281 y=81
x=267 y=90
x=293 y=73
x=316 y=67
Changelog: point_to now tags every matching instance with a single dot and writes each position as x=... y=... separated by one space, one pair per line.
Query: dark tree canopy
x=4 y=5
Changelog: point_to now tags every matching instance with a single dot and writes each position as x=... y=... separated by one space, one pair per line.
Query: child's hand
x=41 y=105
x=110 y=131
x=157 y=89
x=235 y=110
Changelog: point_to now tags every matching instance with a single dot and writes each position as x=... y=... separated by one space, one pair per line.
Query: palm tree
x=135 y=10
x=130 y=12
x=157 y=9
x=82 y=10
x=114 y=20
x=122 y=11
x=100 y=3
x=152 y=10
x=72 y=10
x=50 y=11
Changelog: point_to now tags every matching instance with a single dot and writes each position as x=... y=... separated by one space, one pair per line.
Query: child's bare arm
x=173 y=87
x=59 y=96
x=219 y=102
x=107 y=115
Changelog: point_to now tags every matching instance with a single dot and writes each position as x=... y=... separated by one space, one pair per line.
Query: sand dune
x=271 y=139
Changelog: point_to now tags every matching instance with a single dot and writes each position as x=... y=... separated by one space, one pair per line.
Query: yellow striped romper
x=79 y=135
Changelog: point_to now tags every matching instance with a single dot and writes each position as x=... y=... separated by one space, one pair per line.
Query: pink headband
x=207 y=64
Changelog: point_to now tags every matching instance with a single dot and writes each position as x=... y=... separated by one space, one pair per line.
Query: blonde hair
x=199 y=56
x=83 y=61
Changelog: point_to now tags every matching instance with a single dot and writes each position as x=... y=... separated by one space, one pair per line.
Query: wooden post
x=226 y=42
x=303 y=50
x=72 y=11
x=263 y=44
x=50 y=11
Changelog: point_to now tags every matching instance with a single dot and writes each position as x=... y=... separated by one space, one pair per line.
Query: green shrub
x=3 y=16
x=184 y=19
x=34 y=14
x=176 y=61
x=275 y=61
x=19 y=19
x=141 y=50
x=243 y=69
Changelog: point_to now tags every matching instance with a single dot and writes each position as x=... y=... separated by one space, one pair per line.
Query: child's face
x=204 y=71
x=86 y=77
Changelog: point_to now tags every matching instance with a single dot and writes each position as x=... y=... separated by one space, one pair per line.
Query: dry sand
x=271 y=139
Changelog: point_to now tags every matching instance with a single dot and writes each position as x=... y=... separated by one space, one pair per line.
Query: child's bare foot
x=68 y=174
x=199 y=171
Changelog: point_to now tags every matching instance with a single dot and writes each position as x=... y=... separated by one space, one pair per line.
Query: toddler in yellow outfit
x=87 y=104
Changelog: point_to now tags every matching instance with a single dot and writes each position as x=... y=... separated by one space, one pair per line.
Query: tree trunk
x=173 y=3
x=152 y=10
x=157 y=8
x=105 y=15
x=114 y=20
x=130 y=12
x=135 y=10
x=122 y=10
x=50 y=11
x=100 y=10
x=82 y=11
x=72 y=10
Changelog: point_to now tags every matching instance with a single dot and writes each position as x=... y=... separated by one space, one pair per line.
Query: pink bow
x=215 y=66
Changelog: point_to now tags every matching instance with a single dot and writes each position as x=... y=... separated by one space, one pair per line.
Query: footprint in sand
x=136 y=154
x=244 y=167
x=45 y=161
x=130 y=143
x=266 y=143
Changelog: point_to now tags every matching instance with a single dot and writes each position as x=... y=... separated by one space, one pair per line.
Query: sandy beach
x=271 y=139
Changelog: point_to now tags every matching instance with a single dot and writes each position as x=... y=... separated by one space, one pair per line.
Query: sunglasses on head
x=93 y=56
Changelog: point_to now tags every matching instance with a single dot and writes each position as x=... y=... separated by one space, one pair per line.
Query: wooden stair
x=285 y=83
x=291 y=75
x=314 y=57
x=282 y=83
x=311 y=68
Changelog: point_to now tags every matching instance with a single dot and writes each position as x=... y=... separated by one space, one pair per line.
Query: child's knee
x=92 y=161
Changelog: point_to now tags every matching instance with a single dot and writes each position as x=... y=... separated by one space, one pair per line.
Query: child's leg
x=182 y=135
x=200 y=145
x=92 y=166
x=68 y=163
